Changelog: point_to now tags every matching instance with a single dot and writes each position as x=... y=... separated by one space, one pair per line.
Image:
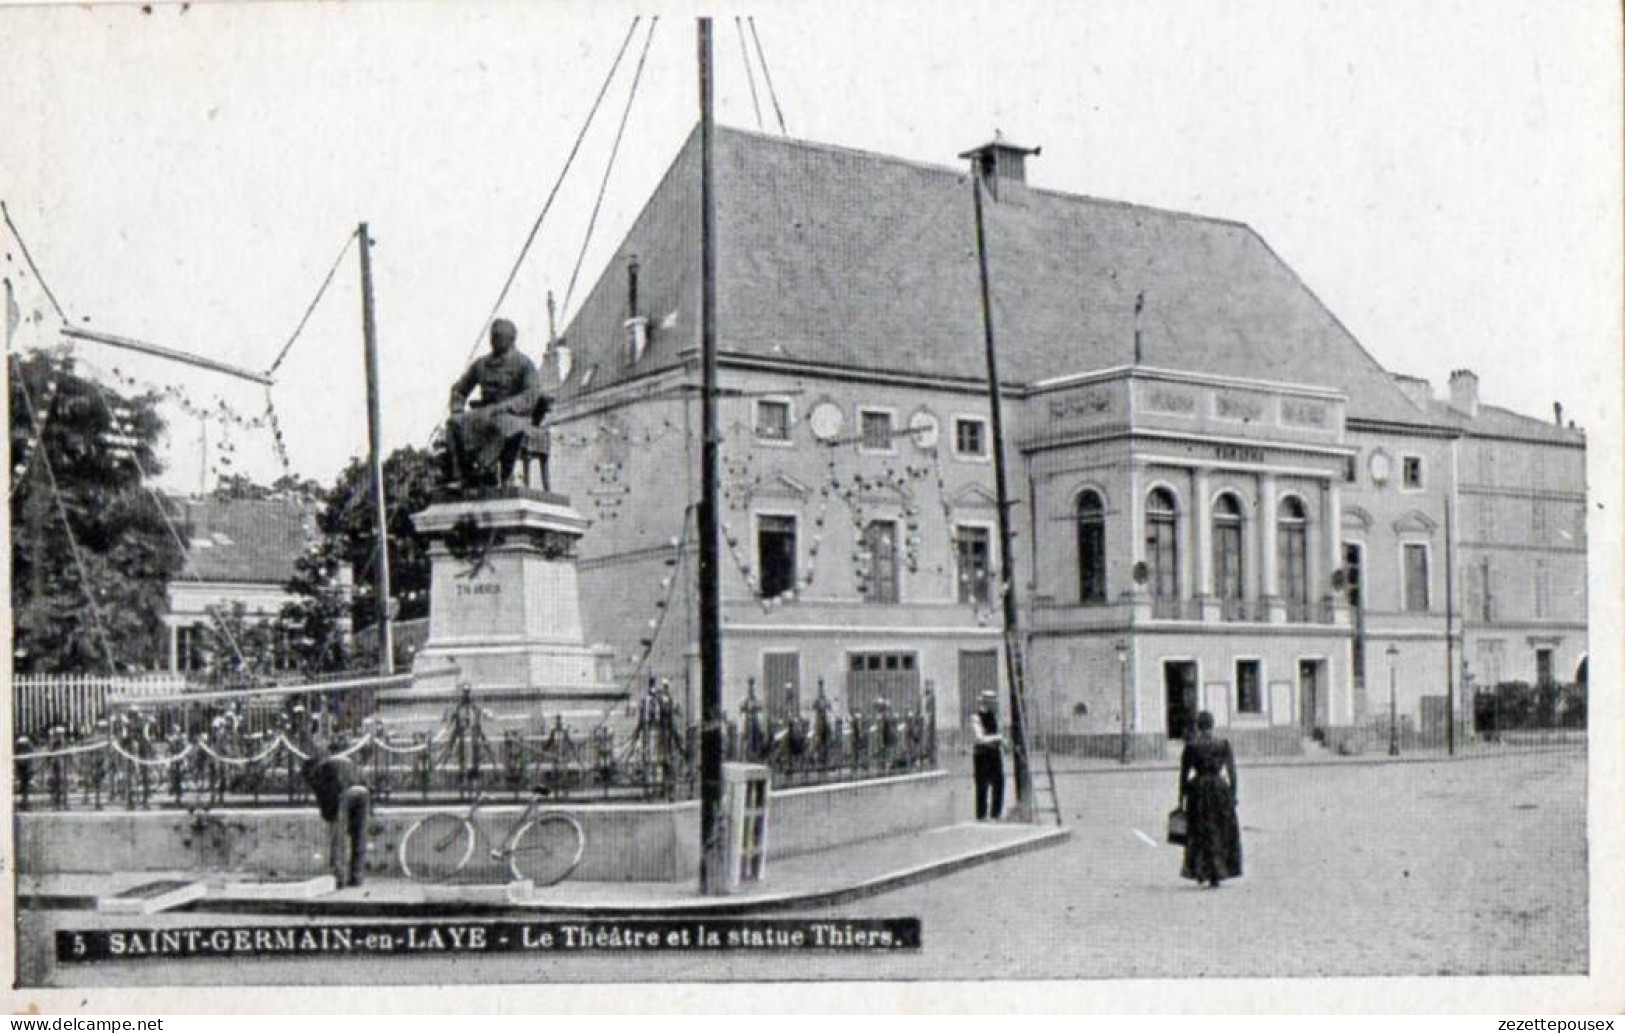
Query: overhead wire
x=609 y=167
x=767 y=77
x=99 y=391
x=320 y=291
x=163 y=514
x=750 y=77
x=569 y=160
x=62 y=511
x=22 y=246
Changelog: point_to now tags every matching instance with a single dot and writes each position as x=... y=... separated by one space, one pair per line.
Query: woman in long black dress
x=1213 y=835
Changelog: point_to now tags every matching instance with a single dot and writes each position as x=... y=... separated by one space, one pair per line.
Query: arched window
x=1091 y=547
x=1161 y=543
x=1227 y=577
x=1292 y=542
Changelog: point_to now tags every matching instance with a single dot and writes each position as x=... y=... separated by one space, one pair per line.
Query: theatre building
x=1221 y=500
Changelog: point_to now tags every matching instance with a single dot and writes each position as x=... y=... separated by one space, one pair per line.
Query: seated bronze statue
x=485 y=438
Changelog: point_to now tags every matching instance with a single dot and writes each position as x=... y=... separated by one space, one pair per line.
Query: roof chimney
x=1557 y=413
x=1464 y=391
x=563 y=358
x=1002 y=165
x=1417 y=389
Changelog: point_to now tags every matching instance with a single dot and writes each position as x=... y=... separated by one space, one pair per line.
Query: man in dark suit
x=987 y=756
x=345 y=802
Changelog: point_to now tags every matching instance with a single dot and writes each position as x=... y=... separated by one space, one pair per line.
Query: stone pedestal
x=505 y=615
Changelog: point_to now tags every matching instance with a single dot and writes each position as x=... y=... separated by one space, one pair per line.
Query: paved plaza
x=1440 y=867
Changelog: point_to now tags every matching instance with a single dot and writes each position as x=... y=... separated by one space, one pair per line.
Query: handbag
x=1176 y=826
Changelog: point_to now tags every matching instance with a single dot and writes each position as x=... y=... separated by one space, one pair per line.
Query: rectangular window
x=1416 y=578
x=1351 y=468
x=772 y=419
x=781 y=685
x=970 y=437
x=1543 y=666
x=893 y=677
x=1537 y=522
x=974 y=555
x=775 y=555
x=1543 y=590
x=880 y=546
x=1249 y=695
x=1411 y=473
x=877 y=431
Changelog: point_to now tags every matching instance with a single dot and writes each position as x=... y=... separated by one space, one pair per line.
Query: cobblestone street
x=1433 y=868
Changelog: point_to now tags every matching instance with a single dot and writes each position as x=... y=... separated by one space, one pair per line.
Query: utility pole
x=713 y=844
x=1007 y=584
x=369 y=333
x=1449 y=626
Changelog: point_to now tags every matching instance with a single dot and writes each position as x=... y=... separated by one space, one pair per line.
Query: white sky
x=1444 y=175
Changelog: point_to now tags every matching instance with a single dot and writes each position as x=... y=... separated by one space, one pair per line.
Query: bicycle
x=543 y=846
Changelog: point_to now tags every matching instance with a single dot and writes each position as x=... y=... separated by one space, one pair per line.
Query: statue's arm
x=463 y=386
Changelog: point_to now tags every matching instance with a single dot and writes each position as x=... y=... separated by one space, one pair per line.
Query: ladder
x=1045 y=802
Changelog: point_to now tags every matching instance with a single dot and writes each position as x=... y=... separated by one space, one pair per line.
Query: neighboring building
x=1521 y=539
x=238 y=551
x=1201 y=455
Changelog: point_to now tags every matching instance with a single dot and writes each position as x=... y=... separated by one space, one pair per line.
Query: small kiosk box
x=745 y=795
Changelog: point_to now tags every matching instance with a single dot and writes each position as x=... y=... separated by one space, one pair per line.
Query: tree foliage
x=235 y=486
x=85 y=473
x=316 y=620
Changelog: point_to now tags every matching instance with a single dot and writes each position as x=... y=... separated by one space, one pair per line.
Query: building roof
x=1495 y=421
x=852 y=259
x=244 y=540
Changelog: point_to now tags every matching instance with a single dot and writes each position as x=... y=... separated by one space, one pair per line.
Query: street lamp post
x=1122 y=669
x=1393 y=701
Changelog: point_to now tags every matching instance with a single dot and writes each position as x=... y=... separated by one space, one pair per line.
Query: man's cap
x=504 y=328
x=988 y=694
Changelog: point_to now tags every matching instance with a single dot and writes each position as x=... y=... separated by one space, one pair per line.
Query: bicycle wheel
x=546 y=849
x=436 y=847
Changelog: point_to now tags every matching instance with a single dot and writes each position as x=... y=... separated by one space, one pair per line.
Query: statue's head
x=503 y=336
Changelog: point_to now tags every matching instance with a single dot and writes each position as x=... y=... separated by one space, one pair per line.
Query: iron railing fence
x=228 y=752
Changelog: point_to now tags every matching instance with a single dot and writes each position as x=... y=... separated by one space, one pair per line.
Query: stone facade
x=1307 y=492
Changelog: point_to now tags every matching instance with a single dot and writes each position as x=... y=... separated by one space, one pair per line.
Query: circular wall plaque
x=923 y=428
x=825 y=420
x=1381 y=467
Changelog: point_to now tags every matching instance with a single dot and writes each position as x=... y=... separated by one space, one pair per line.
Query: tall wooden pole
x=1007 y=578
x=1449 y=625
x=713 y=846
x=369 y=333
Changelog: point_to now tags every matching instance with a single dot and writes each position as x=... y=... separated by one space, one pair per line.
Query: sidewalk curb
x=696 y=908
x=1375 y=760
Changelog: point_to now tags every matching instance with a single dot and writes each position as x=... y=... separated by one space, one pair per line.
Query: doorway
x=978 y=673
x=1311 y=694
x=1179 y=696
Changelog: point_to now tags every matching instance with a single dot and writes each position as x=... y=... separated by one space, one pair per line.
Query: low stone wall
x=1275 y=741
x=1272 y=741
x=624 y=842
x=1109 y=745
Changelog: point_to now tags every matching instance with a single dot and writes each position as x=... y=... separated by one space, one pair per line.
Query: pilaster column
x=1136 y=529
x=1185 y=534
x=1202 y=513
x=1268 y=550
x=1331 y=541
x=174 y=648
x=1333 y=533
x=1202 y=508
